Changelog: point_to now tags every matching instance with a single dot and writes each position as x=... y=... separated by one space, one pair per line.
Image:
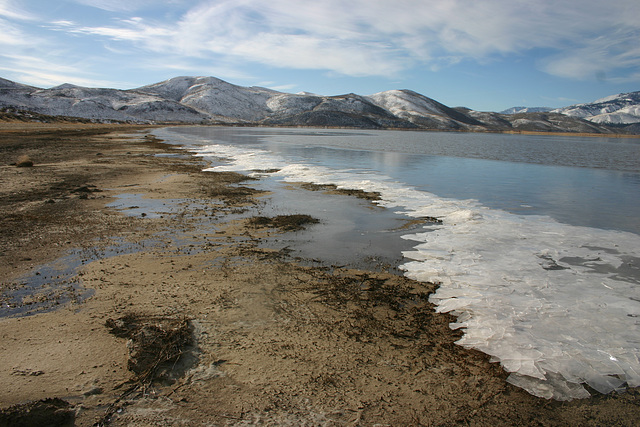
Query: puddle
x=44 y=289
x=134 y=204
x=351 y=231
x=48 y=287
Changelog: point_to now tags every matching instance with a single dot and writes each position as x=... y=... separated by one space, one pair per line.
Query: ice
x=452 y=304
x=549 y=388
x=556 y=305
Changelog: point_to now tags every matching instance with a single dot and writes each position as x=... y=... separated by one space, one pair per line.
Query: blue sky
x=487 y=55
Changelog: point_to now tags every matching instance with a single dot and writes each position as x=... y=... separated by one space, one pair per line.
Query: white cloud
x=44 y=73
x=46 y=79
x=280 y=88
x=378 y=37
x=11 y=35
x=308 y=52
x=127 y=5
x=10 y=9
x=606 y=56
x=182 y=66
x=63 y=23
x=132 y=30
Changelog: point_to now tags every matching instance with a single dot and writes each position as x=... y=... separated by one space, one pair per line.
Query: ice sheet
x=557 y=305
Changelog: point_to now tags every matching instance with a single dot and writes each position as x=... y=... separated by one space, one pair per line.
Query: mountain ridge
x=523 y=109
x=620 y=109
x=210 y=100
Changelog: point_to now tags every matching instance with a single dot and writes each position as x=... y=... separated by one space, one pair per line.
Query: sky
x=487 y=55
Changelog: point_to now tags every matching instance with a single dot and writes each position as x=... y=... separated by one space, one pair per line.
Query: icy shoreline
x=555 y=304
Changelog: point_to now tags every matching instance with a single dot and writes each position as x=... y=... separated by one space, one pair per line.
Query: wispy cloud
x=11 y=35
x=612 y=56
x=280 y=88
x=44 y=73
x=45 y=79
x=185 y=66
x=12 y=9
x=358 y=37
x=378 y=37
x=132 y=30
x=127 y=5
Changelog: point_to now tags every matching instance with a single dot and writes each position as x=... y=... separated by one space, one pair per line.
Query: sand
x=142 y=238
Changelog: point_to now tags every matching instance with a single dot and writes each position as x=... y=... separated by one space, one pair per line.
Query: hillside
x=622 y=109
x=209 y=100
x=521 y=109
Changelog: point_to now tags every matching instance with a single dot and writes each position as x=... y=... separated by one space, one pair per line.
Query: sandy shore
x=149 y=250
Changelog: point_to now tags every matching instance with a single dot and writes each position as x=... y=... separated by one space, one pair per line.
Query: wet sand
x=148 y=241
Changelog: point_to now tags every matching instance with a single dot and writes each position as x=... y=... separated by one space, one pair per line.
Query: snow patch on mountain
x=517 y=110
x=287 y=104
x=421 y=110
x=406 y=103
x=211 y=100
x=98 y=104
x=212 y=96
x=626 y=115
x=620 y=109
x=9 y=85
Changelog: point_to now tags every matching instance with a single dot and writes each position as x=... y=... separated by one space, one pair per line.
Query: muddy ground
x=162 y=308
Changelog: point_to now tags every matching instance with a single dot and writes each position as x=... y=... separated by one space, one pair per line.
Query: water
x=538 y=253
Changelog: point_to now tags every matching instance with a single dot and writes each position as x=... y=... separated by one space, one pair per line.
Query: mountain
x=95 y=104
x=536 y=122
x=621 y=109
x=209 y=100
x=516 y=110
x=13 y=86
x=424 y=112
x=225 y=102
x=214 y=97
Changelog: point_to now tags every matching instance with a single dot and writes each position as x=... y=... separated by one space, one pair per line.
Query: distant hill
x=209 y=100
x=622 y=109
x=516 y=110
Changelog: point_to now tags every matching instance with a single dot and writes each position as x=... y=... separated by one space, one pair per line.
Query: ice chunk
x=604 y=383
x=551 y=387
x=451 y=304
x=463 y=215
x=576 y=316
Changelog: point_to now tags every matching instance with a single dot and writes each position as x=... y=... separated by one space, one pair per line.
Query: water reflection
x=591 y=182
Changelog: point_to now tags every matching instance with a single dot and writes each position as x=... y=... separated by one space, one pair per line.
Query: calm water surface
x=593 y=182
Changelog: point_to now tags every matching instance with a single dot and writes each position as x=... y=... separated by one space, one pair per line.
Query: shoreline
x=497 y=132
x=274 y=342
x=580 y=134
x=6 y=126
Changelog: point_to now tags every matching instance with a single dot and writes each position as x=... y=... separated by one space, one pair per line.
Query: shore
x=135 y=291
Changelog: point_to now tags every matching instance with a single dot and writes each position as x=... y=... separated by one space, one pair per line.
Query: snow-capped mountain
x=13 y=86
x=348 y=110
x=210 y=100
x=621 y=109
x=516 y=110
x=215 y=97
x=97 y=104
x=231 y=103
x=423 y=111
